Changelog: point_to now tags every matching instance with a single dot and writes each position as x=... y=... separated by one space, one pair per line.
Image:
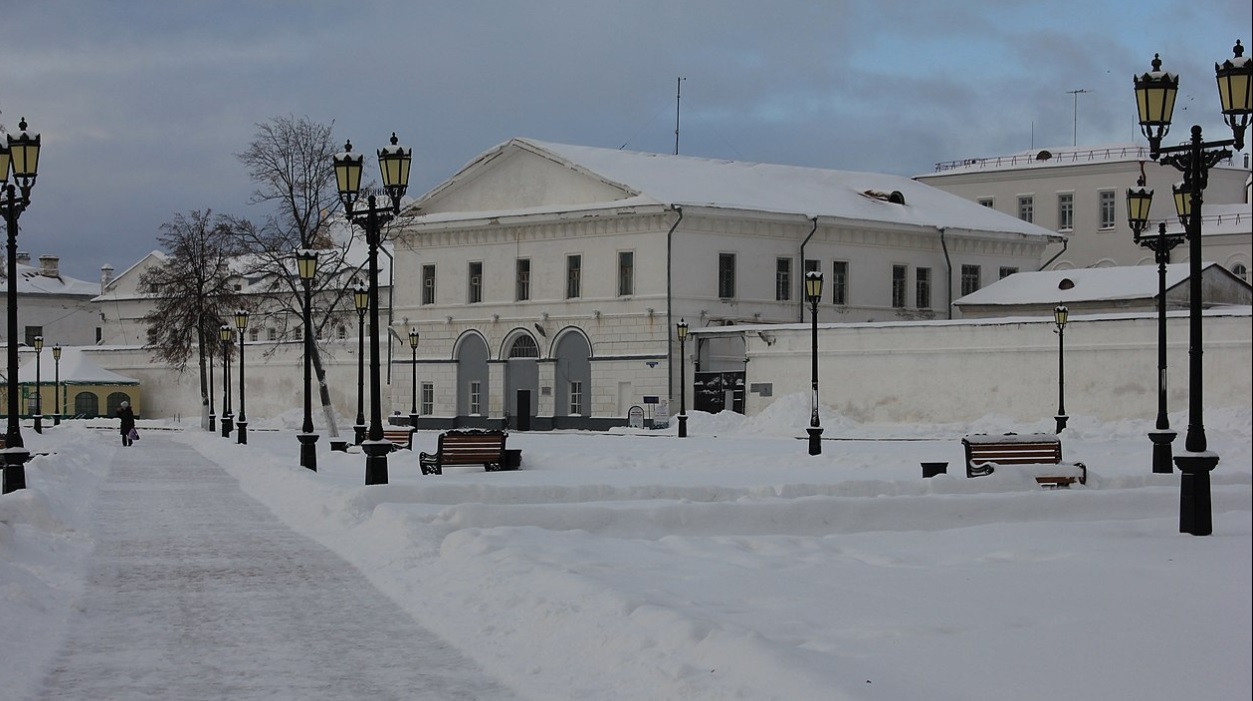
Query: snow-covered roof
x=75 y=368
x=1051 y=158
x=1217 y=220
x=31 y=281
x=1077 y=285
x=659 y=179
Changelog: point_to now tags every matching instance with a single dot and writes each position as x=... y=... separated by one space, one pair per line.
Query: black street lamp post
x=361 y=298
x=241 y=424
x=394 y=162
x=413 y=389
x=39 y=396
x=1139 y=200
x=813 y=293
x=1060 y=316
x=1155 y=93
x=56 y=385
x=1155 y=100
x=228 y=419
x=307 y=264
x=681 y=332
x=21 y=154
x=213 y=419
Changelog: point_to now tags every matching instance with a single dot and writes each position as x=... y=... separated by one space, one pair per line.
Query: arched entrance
x=115 y=401
x=86 y=405
x=522 y=381
x=472 y=380
x=573 y=380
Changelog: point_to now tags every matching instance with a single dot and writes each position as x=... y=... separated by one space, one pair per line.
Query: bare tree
x=289 y=159
x=192 y=291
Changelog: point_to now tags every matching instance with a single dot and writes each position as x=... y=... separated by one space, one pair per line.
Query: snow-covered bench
x=468 y=447
x=1040 y=454
x=401 y=438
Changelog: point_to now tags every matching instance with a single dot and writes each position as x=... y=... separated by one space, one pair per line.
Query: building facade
x=1081 y=192
x=53 y=305
x=546 y=280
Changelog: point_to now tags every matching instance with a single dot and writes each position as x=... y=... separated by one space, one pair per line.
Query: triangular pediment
x=519 y=175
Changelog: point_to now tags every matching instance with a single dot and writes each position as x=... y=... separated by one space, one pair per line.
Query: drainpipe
x=391 y=296
x=1065 y=243
x=670 y=304
x=948 y=263
x=800 y=299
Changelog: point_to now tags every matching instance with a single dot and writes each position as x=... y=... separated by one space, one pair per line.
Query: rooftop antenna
x=1076 y=93
x=678 y=95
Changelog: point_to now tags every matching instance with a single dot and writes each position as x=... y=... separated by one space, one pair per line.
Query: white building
x=546 y=280
x=53 y=305
x=1081 y=192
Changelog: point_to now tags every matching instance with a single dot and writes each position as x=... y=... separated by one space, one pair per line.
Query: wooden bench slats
x=473 y=447
x=1043 y=451
x=400 y=437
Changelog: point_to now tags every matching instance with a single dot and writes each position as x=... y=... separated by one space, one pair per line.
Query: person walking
x=128 y=422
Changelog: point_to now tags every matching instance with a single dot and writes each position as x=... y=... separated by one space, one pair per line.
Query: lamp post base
x=228 y=424
x=682 y=425
x=376 y=461
x=1162 y=438
x=358 y=434
x=815 y=440
x=213 y=422
x=1061 y=422
x=242 y=427
x=413 y=421
x=56 y=419
x=308 y=450
x=39 y=423
x=1195 y=513
x=339 y=445
x=14 y=461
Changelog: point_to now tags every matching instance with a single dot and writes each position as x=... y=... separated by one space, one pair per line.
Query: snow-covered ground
x=733 y=565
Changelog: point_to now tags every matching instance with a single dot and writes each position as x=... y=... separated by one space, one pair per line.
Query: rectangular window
x=271 y=334
x=300 y=333
x=32 y=332
x=900 y=277
x=1006 y=271
x=987 y=202
x=626 y=273
x=523 y=279
x=428 y=398
x=1066 y=211
x=839 y=282
x=782 y=279
x=476 y=398
x=1026 y=208
x=726 y=275
x=970 y=279
x=576 y=397
x=922 y=288
x=1108 y=209
x=476 y=283
x=428 y=284
x=254 y=334
x=813 y=266
x=574 y=277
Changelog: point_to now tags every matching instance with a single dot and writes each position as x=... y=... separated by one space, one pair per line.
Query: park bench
x=468 y=447
x=1040 y=454
x=401 y=438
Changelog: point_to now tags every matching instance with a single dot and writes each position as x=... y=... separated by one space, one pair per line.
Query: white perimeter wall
x=916 y=372
x=934 y=372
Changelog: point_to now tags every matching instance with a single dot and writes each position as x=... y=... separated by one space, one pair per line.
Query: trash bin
x=513 y=459
x=931 y=469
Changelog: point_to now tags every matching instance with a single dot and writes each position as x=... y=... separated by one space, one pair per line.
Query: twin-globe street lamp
x=1060 y=316
x=1139 y=199
x=241 y=323
x=39 y=398
x=361 y=299
x=813 y=293
x=394 y=162
x=1155 y=100
x=681 y=332
x=307 y=267
x=21 y=154
x=228 y=419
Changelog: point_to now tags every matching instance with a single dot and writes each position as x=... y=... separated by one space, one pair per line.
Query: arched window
x=524 y=347
x=115 y=400
x=86 y=405
x=1241 y=271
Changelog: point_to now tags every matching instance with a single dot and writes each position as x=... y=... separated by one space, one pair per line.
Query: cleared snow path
x=196 y=591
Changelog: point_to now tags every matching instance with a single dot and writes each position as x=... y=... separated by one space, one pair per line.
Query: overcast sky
x=143 y=105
